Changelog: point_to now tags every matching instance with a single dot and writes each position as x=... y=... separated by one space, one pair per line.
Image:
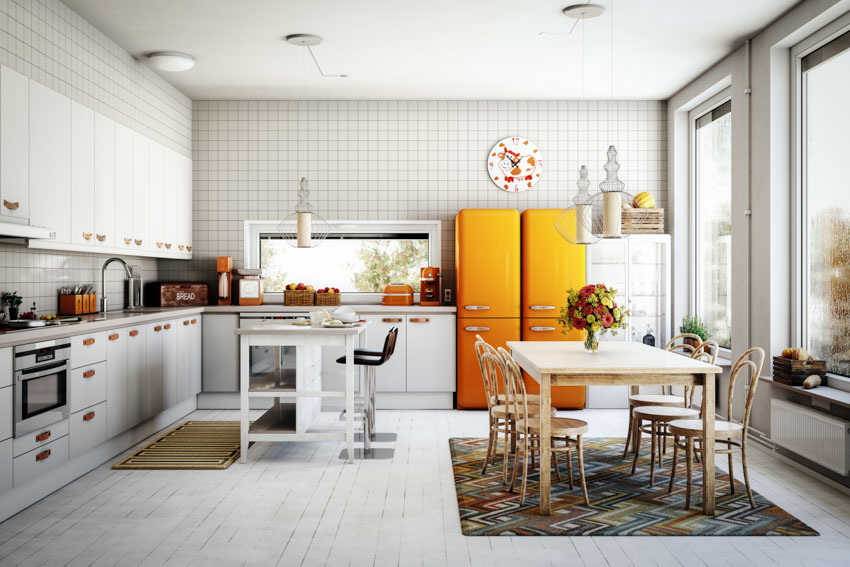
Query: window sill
x=825 y=393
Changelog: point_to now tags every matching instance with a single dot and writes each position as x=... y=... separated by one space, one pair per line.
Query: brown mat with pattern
x=193 y=445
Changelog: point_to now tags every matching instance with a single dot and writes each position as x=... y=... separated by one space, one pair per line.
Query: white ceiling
x=433 y=49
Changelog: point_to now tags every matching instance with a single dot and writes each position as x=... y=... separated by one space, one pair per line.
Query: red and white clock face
x=515 y=165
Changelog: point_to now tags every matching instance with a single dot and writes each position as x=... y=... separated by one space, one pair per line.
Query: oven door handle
x=31 y=373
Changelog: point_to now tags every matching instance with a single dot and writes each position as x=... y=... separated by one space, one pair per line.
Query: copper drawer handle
x=189 y=248
x=87 y=235
x=89 y=416
x=419 y=320
x=185 y=323
x=138 y=242
x=113 y=337
x=88 y=373
x=11 y=206
x=43 y=455
x=158 y=328
x=128 y=240
x=100 y=237
x=42 y=436
x=134 y=333
x=168 y=245
x=88 y=342
x=391 y=320
x=159 y=244
x=167 y=326
x=180 y=246
x=194 y=321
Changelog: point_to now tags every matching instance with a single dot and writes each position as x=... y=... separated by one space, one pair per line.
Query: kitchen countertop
x=117 y=319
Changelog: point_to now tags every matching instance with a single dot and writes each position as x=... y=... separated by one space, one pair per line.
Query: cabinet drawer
x=88 y=349
x=88 y=429
x=41 y=437
x=6 y=367
x=88 y=386
x=39 y=461
x=5 y=413
x=6 y=468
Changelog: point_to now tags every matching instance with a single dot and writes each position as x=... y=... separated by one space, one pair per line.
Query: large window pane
x=713 y=169
x=827 y=205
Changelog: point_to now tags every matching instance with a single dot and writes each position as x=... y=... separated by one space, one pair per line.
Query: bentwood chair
x=563 y=430
x=729 y=434
x=666 y=398
x=659 y=416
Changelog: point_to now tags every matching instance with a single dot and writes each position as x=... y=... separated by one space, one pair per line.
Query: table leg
x=708 y=445
x=545 y=445
x=244 y=372
x=349 y=396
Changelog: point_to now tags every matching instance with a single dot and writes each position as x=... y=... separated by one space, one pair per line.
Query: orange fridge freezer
x=563 y=397
x=470 y=386
x=487 y=263
x=550 y=265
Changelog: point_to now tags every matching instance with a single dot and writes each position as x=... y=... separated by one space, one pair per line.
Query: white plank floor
x=297 y=504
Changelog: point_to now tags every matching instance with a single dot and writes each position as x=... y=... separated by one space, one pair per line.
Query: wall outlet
x=447 y=296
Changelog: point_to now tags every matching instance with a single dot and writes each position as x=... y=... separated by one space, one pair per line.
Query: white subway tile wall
x=399 y=160
x=51 y=44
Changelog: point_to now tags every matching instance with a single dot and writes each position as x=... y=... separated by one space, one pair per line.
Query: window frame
x=433 y=228
x=799 y=212
x=695 y=114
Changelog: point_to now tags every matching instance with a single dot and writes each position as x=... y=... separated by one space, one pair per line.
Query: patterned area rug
x=193 y=445
x=621 y=504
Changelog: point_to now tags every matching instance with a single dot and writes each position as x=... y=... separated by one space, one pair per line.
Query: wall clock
x=514 y=164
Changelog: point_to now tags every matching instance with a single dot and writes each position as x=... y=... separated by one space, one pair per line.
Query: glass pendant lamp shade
x=576 y=224
x=612 y=197
x=304 y=228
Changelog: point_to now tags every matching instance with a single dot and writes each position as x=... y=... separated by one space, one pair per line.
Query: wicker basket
x=298 y=297
x=643 y=221
x=328 y=299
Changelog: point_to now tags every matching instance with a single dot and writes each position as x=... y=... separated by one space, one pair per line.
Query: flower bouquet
x=592 y=309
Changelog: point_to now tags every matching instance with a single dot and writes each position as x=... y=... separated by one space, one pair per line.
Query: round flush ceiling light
x=584 y=11
x=304 y=39
x=171 y=61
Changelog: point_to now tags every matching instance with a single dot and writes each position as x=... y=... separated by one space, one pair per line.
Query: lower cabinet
x=40 y=460
x=184 y=359
x=431 y=353
x=390 y=376
x=136 y=375
x=88 y=429
x=159 y=385
x=88 y=385
x=116 y=382
x=6 y=412
x=196 y=338
x=6 y=464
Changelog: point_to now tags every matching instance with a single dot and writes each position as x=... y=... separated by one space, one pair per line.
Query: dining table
x=566 y=363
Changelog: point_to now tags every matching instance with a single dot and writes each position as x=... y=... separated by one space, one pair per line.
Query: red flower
x=607 y=319
x=597 y=311
x=579 y=323
x=588 y=309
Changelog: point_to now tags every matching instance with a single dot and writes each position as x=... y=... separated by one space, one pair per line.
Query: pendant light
x=304 y=228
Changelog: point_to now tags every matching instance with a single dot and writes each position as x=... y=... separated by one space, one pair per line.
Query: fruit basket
x=642 y=221
x=794 y=372
x=300 y=297
x=328 y=296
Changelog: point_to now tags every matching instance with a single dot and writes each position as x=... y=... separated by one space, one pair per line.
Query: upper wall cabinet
x=97 y=184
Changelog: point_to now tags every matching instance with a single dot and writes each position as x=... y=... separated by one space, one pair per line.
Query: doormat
x=193 y=445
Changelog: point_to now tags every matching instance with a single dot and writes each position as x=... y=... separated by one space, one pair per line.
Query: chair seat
x=656 y=400
x=530 y=398
x=664 y=413
x=500 y=410
x=693 y=428
x=560 y=426
x=364 y=360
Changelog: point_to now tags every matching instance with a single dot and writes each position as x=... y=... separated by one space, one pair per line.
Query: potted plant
x=12 y=300
x=694 y=325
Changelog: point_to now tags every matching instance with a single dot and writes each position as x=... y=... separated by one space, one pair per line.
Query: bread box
x=176 y=294
x=397 y=294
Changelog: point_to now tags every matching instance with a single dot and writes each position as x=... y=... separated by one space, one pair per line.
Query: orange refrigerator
x=487 y=280
x=550 y=267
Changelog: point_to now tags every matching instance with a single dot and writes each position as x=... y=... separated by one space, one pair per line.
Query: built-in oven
x=41 y=385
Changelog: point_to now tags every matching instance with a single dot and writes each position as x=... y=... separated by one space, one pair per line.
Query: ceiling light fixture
x=171 y=61
x=309 y=40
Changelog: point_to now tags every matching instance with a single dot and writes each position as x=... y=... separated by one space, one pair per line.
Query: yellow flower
x=616 y=314
x=591 y=318
x=596 y=327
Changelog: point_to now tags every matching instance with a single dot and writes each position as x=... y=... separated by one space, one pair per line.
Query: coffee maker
x=224 y=267
x=429 y=286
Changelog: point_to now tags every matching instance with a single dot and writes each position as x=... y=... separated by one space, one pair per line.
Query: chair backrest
x=705 y=352
x=686 y=348
x=752 y=359
x=517 y=398
x=389 y=344
x=491 y=377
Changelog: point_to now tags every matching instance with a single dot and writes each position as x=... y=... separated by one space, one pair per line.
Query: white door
x=196 y=347
x=155 y=196
x=124 y=187
x=159 y=387
x=431 y=354
x=141 y=191
x=170 y=363
x=184 y=359
x=82 y=175
x=136 y=375
x=392 y=375
x=104 y=181
x=169 y=212
x=14 y=145
x=50 y=160
x=116 y=382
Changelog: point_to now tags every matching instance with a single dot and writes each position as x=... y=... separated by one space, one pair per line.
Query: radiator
x=814 y=435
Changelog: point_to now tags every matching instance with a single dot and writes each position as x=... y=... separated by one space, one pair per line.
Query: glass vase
x=591 y=341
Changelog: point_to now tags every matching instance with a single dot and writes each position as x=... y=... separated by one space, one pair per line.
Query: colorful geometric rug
x=193 y=445
x=621 y=504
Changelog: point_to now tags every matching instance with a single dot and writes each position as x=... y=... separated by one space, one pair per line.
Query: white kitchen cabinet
x=184 y=359
x=184 y=209
x=6 y=412
x=156 y=193
x=170 y=363
x=14 y=146
x=88 y=349
x=141 y=191
x=6 y=367
x=196 y=346
x=50 y=161
x=105 y=182
x=82 y=174
x=124 y=187
x=136 y=375
x=41 y=460
x=392 y=375
x=431 y=353
x=116 y=382
x=88 y=429
x=88 y=386
x=158 y=385
x=169 y=211
x=6 y=465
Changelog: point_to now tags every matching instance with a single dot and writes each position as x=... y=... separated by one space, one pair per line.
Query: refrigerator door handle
x=476 y=329
x=542 y=328
x=542 y=307
x=476 y=307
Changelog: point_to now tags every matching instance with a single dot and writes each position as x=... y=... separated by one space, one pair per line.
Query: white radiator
x=814 y=435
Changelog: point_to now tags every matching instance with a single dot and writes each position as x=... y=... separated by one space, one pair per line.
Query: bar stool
x=371 y=359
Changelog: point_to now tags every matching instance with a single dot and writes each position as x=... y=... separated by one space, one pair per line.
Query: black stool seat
x=365 y=359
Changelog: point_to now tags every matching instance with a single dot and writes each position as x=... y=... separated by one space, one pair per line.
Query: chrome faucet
x=103 y=299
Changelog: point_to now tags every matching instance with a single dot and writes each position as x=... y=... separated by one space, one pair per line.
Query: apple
x=309 y=288
x=336 y=290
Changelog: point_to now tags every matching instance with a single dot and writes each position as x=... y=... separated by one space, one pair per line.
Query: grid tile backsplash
x=49 y=43
x=399 y=160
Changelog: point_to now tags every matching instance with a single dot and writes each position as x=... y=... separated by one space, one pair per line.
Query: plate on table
x=337 y=325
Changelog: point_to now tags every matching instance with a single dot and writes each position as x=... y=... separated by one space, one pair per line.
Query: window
x=358 y=257
x=712 y=135
x=825 y=211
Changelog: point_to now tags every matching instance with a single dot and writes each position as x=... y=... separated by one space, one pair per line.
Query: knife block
x=78 y=304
